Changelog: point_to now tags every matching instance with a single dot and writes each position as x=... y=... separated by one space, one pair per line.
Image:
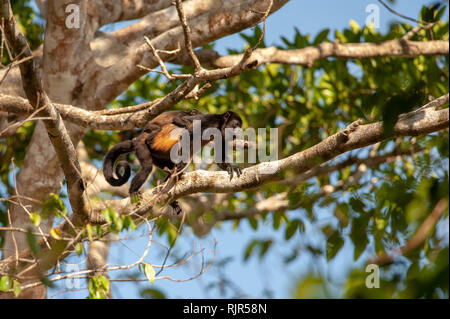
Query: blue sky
x=270 y=274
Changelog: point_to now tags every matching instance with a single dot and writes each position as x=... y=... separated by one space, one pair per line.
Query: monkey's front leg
x=226 y=166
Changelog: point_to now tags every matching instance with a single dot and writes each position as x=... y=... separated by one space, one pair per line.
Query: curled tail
x=111 y=157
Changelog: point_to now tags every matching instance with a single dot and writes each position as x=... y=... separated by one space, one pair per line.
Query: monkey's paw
x=234 y=169
x=176 y=207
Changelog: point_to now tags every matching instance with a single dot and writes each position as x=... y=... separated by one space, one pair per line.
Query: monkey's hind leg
x=145 y=159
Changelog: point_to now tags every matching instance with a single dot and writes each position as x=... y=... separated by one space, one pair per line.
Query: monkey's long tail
x=111 y=157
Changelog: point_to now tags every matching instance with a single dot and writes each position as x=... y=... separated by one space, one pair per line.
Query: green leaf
x=152 y=294
x=116 y=220
x=55 y=233
x=35 y=218
x=321 y=37
x=54 y=205
x=354 y=26
x=112 y=217
x=149 y=272
x=311 y=287
x=265 y=245
x=135 y=198
x=294 y=199
x=99 y=231
x=357 y=205
x=128 y=223
x=334 y=244
x=32 y=243
x=358 y=234
x=92 y=288
x=107 y=215
x=5 y=283
x=16 y=288
x=253 y=223
x=292 y=227
x=103 y=283
x=79 y=248
x=98 y=287
x=277 y=217
x=249 y=249
x=90 y=231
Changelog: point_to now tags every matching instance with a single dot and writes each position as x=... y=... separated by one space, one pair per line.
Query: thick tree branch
x=280 y=201
x=412 y=124
x=139 y=114
x=370 y=162
x=110 y=11
x=158 y=22
x=38 y=98
x=307 y=56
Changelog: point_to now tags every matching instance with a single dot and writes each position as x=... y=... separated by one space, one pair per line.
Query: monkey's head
x=232 y=120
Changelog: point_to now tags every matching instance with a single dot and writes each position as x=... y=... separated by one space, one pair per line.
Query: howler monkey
x=153 y=145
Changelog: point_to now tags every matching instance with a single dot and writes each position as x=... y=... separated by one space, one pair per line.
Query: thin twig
x=164 y=71
x=401 y=15
x=417 y=29
x=16 y=249
x=247 y=54
x=196 y=92
x=187 y=37
x=13 y=64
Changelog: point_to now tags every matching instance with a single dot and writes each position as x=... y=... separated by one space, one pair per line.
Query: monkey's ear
x=226 y=115
x=194 y=112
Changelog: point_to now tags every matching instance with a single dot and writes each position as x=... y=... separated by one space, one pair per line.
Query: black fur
x=111 y=157
x=142 y=146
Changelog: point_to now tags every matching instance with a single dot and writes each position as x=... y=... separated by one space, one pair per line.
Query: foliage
x=98 y=287
x=380 y=212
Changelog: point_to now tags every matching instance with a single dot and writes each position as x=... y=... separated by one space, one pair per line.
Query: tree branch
x=411 y=124
x=121 y=10
x=38 y=98
x=370 y=162
x=307 y=56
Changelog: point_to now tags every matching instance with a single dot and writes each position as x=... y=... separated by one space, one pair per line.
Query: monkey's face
x=234 y=120
x=234 y=123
